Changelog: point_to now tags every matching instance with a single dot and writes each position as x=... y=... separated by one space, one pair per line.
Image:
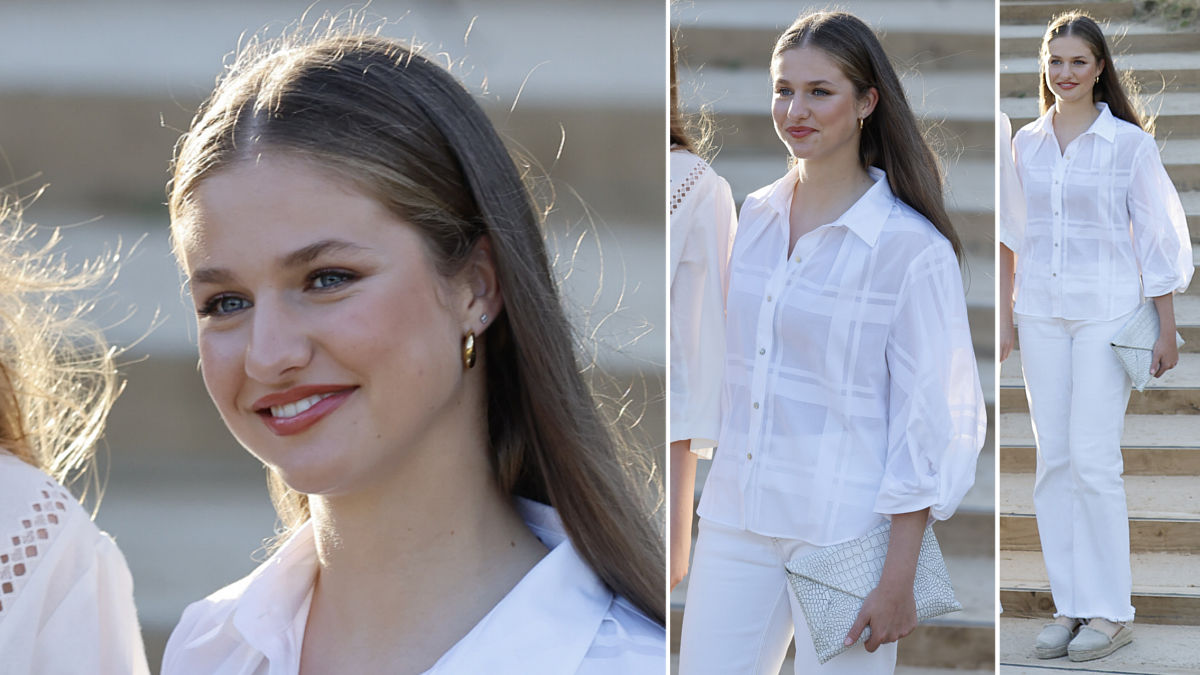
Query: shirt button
x=797 y=258
x=1053 y=274
x=1056 y=244
x=756 y=405
x=770 y=298
x=762 y=351
x=749 y=455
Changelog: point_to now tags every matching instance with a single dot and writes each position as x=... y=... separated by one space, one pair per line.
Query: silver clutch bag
x=1134 y=344
x=831 y=585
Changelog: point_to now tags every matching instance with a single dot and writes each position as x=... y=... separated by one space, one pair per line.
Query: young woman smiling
x=851 y=394
x=379 y=325
x=1105 y=232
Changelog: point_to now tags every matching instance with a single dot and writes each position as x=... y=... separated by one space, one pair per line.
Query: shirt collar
x=558 y=606
x=864 y=218
x=1104 y=126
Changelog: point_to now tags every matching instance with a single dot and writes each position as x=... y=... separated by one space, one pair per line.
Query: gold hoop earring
x=468 y=350
x=860 y=124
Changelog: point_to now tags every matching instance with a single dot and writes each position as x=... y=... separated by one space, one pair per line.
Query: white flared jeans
x=1077 y=394
x=740 y=612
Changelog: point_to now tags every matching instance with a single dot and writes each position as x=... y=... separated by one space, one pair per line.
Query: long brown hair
x=58 y=378
x=1118 y=90
x=404 y=130
x=890 y=139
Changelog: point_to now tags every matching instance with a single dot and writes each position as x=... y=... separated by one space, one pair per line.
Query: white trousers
x=1077 y=393
x=740 y=612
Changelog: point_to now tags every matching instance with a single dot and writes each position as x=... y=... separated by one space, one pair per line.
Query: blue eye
x=784 y=91
x=224 y=305
x=328 y=279
x=820 y=92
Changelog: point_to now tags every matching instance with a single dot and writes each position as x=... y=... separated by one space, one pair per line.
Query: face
x=328 y=341
x=815 y=107
x=1071 y=69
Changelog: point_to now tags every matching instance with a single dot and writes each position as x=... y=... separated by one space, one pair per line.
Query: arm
x=1166 y=353
x=683 y=491
x=1008 y=267
x=890 y=609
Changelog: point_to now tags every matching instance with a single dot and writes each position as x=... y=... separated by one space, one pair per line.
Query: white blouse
x=702 y=228
x=66 y=596
x=1010 y=210
x=1104 y=227
x=560 y=618
x=851 y=390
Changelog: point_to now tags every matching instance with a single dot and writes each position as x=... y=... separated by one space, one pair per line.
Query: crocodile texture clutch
x=1134 y=344
x=832 y=583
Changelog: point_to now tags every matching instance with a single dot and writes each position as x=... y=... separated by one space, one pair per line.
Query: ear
x=867 y=102
x=1100 y=64
x=483 y=300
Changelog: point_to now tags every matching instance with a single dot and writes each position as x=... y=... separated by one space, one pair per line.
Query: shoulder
x=908 y=234
x=35 y=510
x=626 y=641
x=692 y=178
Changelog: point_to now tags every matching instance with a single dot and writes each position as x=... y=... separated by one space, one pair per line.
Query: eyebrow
x=301 y=256
x=1068 y=58
x=811 y=83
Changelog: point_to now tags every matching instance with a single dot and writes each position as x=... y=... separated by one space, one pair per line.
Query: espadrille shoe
x=1055 y=636
x=1098 y=639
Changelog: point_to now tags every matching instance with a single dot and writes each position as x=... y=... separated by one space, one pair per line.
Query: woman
x=379 y=325
x=1105 y=232
x=66 y=596
x=702 y=228
x=851 y=393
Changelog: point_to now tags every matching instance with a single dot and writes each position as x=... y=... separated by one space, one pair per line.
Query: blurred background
x=92 y=99
x=943 y=51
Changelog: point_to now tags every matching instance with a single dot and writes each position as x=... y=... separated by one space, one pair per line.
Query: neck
x=1075 y=112
x=411 y=562
x=831 y=183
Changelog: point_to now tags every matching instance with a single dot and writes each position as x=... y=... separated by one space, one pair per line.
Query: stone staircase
x=947 y=71
x=1161 y=444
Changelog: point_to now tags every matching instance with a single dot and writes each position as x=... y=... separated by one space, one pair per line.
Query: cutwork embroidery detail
x=682 y=190
x=22 y=549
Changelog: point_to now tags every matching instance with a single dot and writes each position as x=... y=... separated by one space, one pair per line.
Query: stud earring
x=468 y=350
x=483 y=319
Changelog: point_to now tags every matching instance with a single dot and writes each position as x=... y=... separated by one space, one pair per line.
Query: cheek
x=220 y=366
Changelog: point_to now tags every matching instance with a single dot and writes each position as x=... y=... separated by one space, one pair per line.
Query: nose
x=797 y=109
x=279 y=343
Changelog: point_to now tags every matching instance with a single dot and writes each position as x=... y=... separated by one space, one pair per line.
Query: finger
x=856 y=630
x=874 y=640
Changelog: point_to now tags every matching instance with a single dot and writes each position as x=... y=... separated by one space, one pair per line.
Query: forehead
x=1068 y=46
x=802 y=64
x=269 y=205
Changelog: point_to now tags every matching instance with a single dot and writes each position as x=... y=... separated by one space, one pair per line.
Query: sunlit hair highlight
x=891 y=138
x=397 y=125
x=58 y=378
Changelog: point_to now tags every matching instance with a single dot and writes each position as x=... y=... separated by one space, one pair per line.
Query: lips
x=1067 y=85
x=295 y=410
x=800 y=132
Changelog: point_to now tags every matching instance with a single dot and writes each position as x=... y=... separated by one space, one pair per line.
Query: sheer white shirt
x=66 y=595
x=851 y=390
x=1010 y=210
x=702 y=228
x=560 y=618
x=1104 y=225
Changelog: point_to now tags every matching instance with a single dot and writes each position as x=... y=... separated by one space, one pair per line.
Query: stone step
x=1166 y=587
x=1191 y=206
x=1181 y=157
x=1156 y=650
x=1154 y=71
x=1164 y=513
x=725 y=35
x=1177 y=117
x=1035 y=12
x=952 y=107
x=788 y=668
x=963 y=639
x=1176 y=392
x=1123 y=38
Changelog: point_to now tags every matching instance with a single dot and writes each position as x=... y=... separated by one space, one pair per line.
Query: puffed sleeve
x=936 y=417
x=702 y=228
x=1160 y=236
x=1010 y=212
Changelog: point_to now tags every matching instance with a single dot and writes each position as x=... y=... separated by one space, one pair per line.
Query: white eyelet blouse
x=851 y=389
x=1104 y=225
x=702 y=227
